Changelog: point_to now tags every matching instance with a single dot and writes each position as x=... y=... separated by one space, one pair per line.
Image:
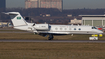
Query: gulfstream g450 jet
x=47 y=29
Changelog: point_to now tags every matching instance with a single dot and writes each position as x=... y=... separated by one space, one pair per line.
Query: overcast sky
x=67 y=4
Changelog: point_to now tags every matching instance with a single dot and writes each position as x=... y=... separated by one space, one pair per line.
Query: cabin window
x=94 y=28
x=79 y=29
x=56 y=28
x=60 y=28
x=74 y=28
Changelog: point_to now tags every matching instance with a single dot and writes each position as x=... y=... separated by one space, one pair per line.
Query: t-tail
x=19 y=22
x=17 y=19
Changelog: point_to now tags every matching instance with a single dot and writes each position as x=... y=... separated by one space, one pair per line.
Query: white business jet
x=47 y=29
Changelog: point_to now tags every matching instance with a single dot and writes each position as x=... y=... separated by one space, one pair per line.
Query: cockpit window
x=94 y=28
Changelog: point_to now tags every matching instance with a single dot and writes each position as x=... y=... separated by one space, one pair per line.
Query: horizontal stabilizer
x=17 y=19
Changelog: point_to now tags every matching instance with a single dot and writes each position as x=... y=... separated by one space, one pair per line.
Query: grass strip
x=52 y=50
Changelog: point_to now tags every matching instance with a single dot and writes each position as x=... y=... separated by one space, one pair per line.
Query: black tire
x=49 y=39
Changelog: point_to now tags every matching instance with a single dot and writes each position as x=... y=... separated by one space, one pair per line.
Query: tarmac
x=55 y=41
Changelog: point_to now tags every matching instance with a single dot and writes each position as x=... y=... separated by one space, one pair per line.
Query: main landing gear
x=50 y=37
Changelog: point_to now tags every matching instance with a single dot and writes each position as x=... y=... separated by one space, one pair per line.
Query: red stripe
x=99 y=28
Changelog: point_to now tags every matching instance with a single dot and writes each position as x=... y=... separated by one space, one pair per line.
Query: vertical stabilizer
x=17 y=19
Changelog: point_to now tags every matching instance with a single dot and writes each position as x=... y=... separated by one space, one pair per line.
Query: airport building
x=75 y=21
x=5 y=24
x=2 y=5
x=93 y=20
x=44 y=4
x=31 y=4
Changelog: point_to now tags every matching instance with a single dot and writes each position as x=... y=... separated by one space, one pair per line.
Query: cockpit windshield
x=94 y=28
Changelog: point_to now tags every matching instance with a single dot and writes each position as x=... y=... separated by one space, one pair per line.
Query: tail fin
x=17 y=19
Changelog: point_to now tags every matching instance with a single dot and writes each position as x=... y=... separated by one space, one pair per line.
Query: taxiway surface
x=59 y=41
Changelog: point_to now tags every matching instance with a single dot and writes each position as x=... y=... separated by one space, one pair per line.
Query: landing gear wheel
x=50 y=37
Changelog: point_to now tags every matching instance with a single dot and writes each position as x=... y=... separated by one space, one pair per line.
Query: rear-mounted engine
x=41 y=27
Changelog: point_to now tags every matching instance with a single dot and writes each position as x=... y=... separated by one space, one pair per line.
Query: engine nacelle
x=41 y=26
